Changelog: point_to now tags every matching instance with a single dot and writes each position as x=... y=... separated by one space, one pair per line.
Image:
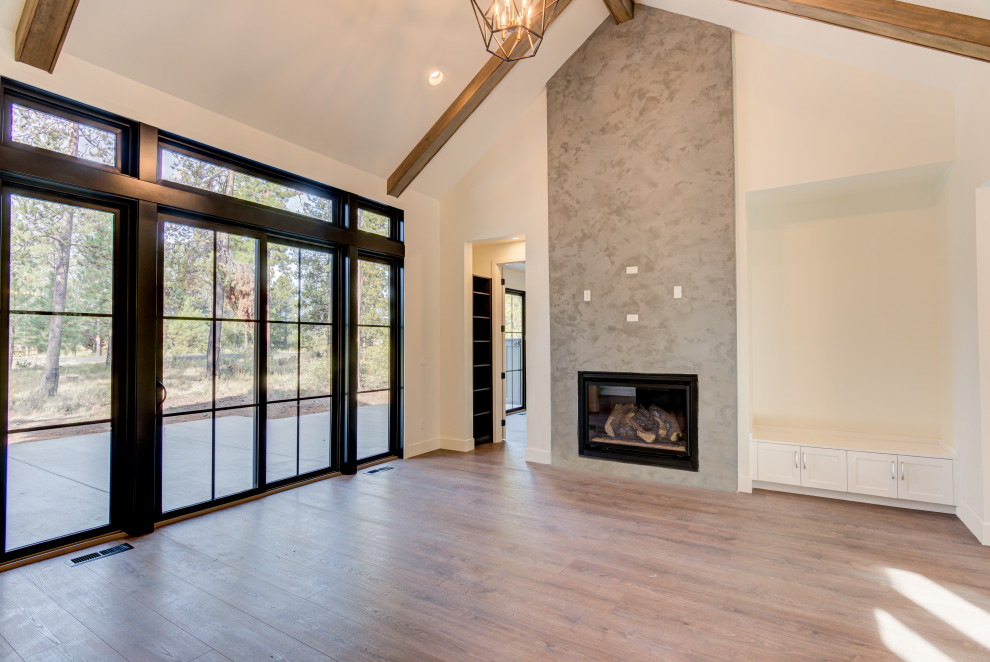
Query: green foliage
x=38 y=129
x=35 y=241
x=207 y=176
x=369 y=221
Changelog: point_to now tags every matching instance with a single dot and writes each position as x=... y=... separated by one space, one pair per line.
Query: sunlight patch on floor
x=904 y=642
x=943 y=603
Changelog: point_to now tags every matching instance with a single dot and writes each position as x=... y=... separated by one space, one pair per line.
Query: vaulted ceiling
x=349 y=79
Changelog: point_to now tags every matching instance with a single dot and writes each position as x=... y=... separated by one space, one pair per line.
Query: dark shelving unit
x=484 y=417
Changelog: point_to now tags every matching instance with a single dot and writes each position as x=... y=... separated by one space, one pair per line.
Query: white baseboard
x=977 y=526
x=859 y=498
x=538 y=455
x=420 y=447
x=745 y=483
x=462 y=445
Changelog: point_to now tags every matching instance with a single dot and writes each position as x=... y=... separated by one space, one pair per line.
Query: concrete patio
x=56 y=487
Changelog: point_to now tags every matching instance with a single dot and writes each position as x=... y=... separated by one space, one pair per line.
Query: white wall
x=504 y=195
x=846 y=299
x=802 y=119
x=98 y=87
x=968 y=243
x=515 y=279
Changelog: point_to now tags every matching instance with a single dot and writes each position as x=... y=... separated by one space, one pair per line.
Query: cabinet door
x=925 y=479
x=778 y=463
x=872 y=473
x=823 y=468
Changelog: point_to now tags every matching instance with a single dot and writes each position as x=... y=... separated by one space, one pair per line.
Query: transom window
x=216 y=178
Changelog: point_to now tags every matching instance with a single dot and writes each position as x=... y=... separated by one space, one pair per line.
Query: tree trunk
x=109 y=340
x=222 y=247
x=11 y=332
x=49 y=379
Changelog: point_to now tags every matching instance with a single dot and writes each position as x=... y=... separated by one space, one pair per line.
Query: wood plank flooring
x=480 y=556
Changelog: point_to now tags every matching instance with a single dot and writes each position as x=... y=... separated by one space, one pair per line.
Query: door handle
x=164 y=392
x=804 y=460
x=902 y=471
x=796 y=465
x=893 y=471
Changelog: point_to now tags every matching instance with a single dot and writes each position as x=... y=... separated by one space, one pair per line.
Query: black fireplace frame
x=617 y=452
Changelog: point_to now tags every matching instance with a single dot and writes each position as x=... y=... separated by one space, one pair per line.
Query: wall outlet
x=632 y=318
x=587 y=295
x=632 y=270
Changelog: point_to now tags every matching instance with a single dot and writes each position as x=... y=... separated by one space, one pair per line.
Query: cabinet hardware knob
x=893 y=471
x=805 y=460
x=902 y=471
x=796 y=465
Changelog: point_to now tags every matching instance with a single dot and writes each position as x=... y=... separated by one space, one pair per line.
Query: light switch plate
x=632 y=270
x=678 y=292
x=632 y=318
x=587 y=295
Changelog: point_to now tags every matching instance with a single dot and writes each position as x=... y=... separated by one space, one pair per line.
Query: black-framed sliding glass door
x=377 y=364
x=209 y=373
x=301 y=412
x=60 y=415
x=515 y=350
x=232 y=302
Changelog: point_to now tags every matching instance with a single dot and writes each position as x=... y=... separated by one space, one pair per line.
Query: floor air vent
x=79 y=560
x=374 y=471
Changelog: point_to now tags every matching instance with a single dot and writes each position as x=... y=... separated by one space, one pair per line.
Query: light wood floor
x=479 y=556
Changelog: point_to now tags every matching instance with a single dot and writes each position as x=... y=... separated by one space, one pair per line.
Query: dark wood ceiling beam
x=454 y=117
x=915 y=24
x=42 y=30
x=621 y=10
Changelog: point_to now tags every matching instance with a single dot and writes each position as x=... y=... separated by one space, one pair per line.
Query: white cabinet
x=778 y=463
x=888 y=475
x=872 y=473
x=823 y=468
x=925 y=479
x=787 y=464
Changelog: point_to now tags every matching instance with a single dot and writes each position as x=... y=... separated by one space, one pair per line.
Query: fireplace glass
x=633 y=417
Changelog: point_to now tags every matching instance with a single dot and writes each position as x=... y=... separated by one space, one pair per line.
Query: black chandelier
x=514 y=29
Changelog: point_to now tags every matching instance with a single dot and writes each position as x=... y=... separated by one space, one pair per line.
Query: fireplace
x=634 y=417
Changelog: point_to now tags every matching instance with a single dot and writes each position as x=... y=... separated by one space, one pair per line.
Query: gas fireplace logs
x=636 y=424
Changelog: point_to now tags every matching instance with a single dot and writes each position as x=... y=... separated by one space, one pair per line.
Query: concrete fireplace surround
x=640 y=155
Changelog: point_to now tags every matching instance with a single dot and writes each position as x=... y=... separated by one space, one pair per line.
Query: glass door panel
x=300 y=361
x=209 y=364
x=60 y=358
x=515 y=354
x=374 y=358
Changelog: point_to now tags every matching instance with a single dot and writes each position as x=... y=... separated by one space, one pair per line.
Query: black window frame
x=193 y=149
x=120 y=506
x=35 y=99
x=136 y=188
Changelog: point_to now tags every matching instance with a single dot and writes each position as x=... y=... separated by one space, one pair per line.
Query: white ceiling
x=348 y=78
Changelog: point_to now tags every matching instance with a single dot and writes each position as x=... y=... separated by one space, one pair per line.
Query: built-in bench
x=896 y=471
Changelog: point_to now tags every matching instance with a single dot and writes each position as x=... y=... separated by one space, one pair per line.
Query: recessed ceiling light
x=436 y=77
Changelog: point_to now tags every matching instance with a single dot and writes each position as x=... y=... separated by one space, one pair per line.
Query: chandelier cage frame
x=513 y=29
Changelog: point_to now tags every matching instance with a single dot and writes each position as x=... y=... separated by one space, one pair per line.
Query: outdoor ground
x=60 y=486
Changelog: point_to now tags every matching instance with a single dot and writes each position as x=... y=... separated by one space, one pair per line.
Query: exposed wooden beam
x=42 y=30
x=454 y=117
x=934 y=28
x=621 y=10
